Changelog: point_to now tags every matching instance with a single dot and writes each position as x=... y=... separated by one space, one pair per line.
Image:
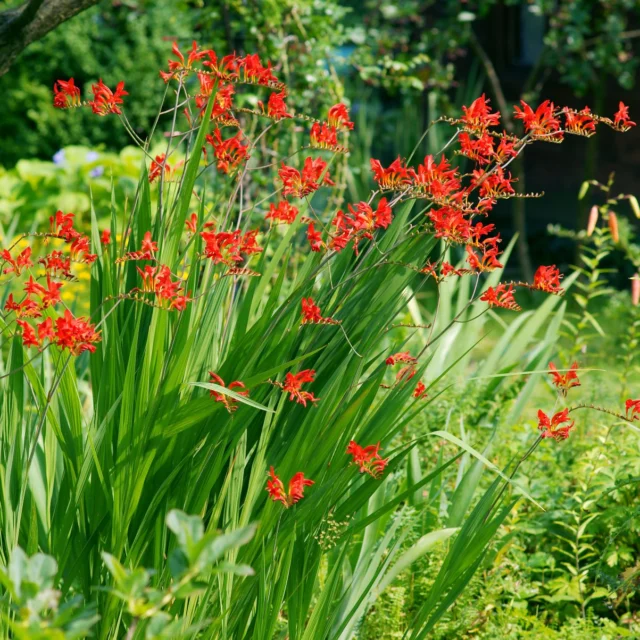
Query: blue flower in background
x=92 y=156
x=59 y=158
x=97 y=171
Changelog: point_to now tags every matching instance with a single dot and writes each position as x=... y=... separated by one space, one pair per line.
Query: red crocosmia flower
x=276 y=107
x=368 y=459
x=176 y=67
x=192 y=223
x=448 y=269
x=311 y=313
x=45 y=330
x=62 y=226
x=420 y=391
x=19 y=264
x=293 y=386
x=56 y=264
x=506 y=149
x=148 y=278
x=80 y=250
x=11 y=305
x=493 y=184
x=301 y=184
x=51 y=295
x=551 y=427
x=229 y=153
x=632 y=409
x=579 y=122
x=487 y=262
x=542 y=123
x=402 y=356
x=106 y=101
x=395 y=176
x=479 y=149
x=230 y=403
x=223 y=247
x=32 y=287
x=157 y=165
x=362 y=222
x=105 y=237
x=283 y=212
x=501 y=297
x=323 y=136
x=436 y=180
x=254 y=71
x=451 y=224
x=277 y=493
x=66 y=94
x=547 y=279
x=566 y=381
x=75 y=334
x=29 y=338
x=315 y=238
x=478 y=116
x=226 y=68
x=621 y=119
x=338 y=117
x=166 y=289
x=248 y=244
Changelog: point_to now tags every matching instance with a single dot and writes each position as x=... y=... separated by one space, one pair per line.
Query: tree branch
x=34 y=19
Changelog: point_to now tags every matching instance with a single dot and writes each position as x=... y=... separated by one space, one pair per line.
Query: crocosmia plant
x=245 y=356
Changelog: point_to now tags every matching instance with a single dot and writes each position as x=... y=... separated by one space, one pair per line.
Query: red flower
x=634 y=407
x=229 y=153
x=45 y=330
x=276 y=107
x=178 y=66
x=315 y=238
x=478 y=116
x=275 y=488
x=106 y=101
x=105 y=237
x=157 y=166
x=62 y=226
x=494 y=184
x=284 y=212
x=420 y=391
x=293 y=386
x=436 y=180
x=501 y=296
x=479 y=149
x=66 y=94
x=75 y=334
x=230 y=403
x=80 y=250
x=254 y=71
x=621 y=118
x=302 y=184
x=29 y=338
x=542 y=124
x=368 y=458
x=551 y=427
x=547 y=279
x=21 y=262
x=323 y=136
x=395 y=176
x=487 y=262
x=311 y=313
x=338 y=117
x=579 y=122
x=567 y=381
x=360 y=224
x=403 y=356
x=223 y=247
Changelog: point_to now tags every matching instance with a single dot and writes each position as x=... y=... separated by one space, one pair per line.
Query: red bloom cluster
x=276 y=107
x=403 y=357
x=338 y=117
x=395 y=176
x=632 y=409
x=566 y=381
x=158 y=165
x=500 y=296
x=301 y=184
x=293 y=386
x=168 y=292
x=541 y=124
x=478 y=117
x=229 y=153
x=551 y=427
x=361 y=224
x=621 y=120
x=231 y=404
x=66 y=94
x=547 y=279
x=311 y=313
x=228 y=247
x=106 y=101
x=276 y=490
x=283 y=212
x=368 y=459
x=315 y=238
x=18 y=264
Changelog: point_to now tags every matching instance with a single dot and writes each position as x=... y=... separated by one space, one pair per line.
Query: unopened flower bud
x=613 y=227
x=593 y=220
x=635 y=290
